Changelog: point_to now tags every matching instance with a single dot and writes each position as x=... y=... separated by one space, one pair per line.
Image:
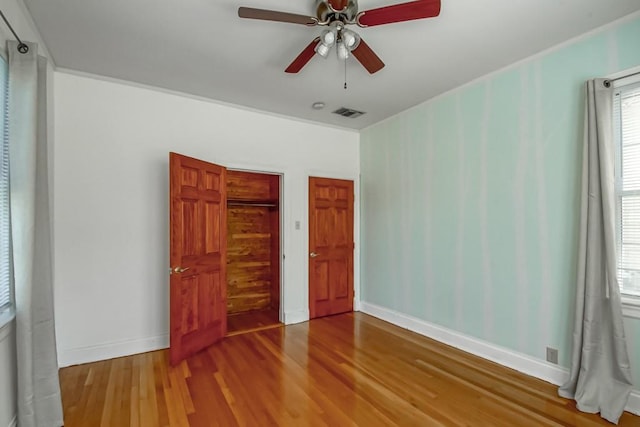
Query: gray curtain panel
x=39 y=402
x=600 y=379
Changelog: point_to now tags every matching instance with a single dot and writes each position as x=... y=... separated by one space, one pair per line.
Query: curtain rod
x=608 y=82
x=22 y=47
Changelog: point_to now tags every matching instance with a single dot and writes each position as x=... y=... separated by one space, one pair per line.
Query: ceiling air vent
x=348 y=112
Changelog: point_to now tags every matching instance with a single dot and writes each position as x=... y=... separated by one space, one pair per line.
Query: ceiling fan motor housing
x=324 y=12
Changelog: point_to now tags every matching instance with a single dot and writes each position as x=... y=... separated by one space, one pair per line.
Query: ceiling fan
x=336 y=15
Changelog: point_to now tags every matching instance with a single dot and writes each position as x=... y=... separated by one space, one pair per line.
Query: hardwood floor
x=252 y=321
x=343 y=370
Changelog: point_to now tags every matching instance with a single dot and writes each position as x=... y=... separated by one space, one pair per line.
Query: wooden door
x=330 y=246
x=198 y=228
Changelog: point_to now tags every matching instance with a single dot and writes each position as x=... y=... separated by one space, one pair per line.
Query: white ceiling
x=201 y=47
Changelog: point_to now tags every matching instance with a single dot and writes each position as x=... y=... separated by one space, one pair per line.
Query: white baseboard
x=110 y=350
x=94 y=353
x=633 y=405
x=293 y=317
x=520 y=362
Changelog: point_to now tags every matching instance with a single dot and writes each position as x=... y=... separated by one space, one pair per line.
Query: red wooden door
x=198 y=235
x=330 y=246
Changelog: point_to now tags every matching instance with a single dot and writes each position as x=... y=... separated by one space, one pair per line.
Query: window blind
x=627 y=135
x=5 y=268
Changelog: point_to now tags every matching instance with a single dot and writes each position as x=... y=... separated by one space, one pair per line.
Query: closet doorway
x=253 y=251
x=225 y=253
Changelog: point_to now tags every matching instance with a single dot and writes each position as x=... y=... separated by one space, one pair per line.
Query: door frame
x=356 y=233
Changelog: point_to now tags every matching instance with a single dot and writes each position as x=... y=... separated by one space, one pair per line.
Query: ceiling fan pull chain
x=345 y=74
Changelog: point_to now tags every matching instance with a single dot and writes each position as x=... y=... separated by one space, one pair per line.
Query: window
x=5 y=267
x=626 y=124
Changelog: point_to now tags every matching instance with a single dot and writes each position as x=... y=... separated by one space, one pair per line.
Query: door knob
x=313 y=254
x=180 y=269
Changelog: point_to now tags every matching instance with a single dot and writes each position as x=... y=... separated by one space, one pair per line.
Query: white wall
x=111 y=202
x=18 y=17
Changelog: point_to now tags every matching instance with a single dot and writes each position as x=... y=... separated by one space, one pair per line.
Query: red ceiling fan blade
x=338 y=4
x=400 y=12
x=304 y=57
x=272 y=15
x=368 y=57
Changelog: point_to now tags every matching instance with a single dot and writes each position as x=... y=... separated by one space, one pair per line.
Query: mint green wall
x=470 y=200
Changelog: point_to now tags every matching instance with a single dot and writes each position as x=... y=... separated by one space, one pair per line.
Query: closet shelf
x=262 y=203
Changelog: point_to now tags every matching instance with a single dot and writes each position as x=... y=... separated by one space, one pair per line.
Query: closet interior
x=253 y=251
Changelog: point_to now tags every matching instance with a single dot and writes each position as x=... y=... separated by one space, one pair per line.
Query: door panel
x=322 y=227
x=343 y=235
x=212 y=218
x=330 y=246
x=321 y=280
x=341 y=278
x=198 y=255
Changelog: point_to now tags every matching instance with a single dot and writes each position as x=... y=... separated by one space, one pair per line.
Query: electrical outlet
x=552 y=355
x=297 y=225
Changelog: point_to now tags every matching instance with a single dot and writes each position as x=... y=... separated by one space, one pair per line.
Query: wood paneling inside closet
x=253 y=242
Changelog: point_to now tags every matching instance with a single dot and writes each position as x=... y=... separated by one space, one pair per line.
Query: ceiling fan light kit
x=323 y=49
x=343 y=52
x=350 y=39
x=337 y=14
x=328 y=37
x=344 y=40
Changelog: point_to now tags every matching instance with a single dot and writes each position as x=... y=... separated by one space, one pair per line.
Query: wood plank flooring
x=252 y=321
x=343 y=370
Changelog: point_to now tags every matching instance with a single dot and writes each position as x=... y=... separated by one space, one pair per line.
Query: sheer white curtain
x=600 y=378
x=39 y=402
